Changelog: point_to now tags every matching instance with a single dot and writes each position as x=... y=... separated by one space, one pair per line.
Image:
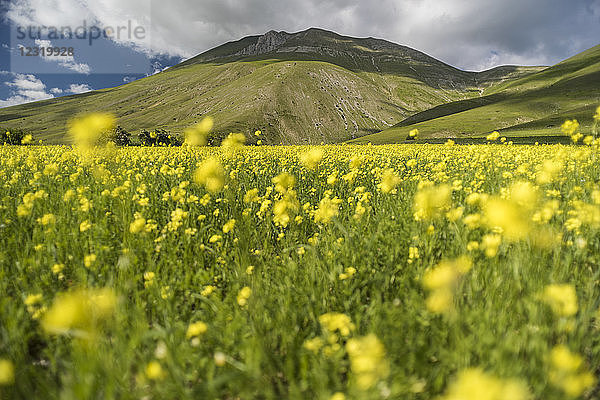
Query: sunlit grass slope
x=532 y=105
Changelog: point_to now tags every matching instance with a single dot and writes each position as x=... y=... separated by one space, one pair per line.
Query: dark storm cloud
x=532 y=32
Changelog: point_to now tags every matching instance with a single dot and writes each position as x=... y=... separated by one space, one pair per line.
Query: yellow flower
x=441 y=282
x=196 y=329
x=137 y=225
x=33 y=299
x=332 y=178
x=493 y=136
x=413 y=254
x=570 y=127
x=51 y=169
x=475 y=384
x=69 y=194
x=549 y=170
x=389 y=181
x=84 y=226
x=333 y=322
x=314 y=344
x=283 y=209
x=23 y=210
x=220 y=359
x=367 y=360
x=243 y=296
x=513 y=215
x=455 y=214
x=48 y=219
x=432 y=201
x=196 y=135
x=149 y=278
x=328 y=209
x=86 y=130
x=7 y=373
x=472 y=246
x=563 y=359
x=208 y=290
x=568 y=372
x=89 y=259
x=524 y=194
x=57 y=268
x=80 y=312
x=27 y=139
x=507 y=215
x=229 y=225
x=348 y=273
x=490 y=244
x=312 y=158
x=413 y=133
x=233 y=142
x=154 y=371
x=251 y=196
x=215 y=238
x=283 y=182
x=211 y=174
x=562 y=299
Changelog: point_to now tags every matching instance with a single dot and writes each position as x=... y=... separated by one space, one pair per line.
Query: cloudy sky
x=153 y=34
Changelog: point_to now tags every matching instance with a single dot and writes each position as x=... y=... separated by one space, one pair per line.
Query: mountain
x=306 y=87
x=535 y=105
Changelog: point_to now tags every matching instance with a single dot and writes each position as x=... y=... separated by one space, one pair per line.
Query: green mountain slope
x=529 y=106
x=307 y=87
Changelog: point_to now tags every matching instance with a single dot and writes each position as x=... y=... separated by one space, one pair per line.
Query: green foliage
x=11 y=136
x=159 y=137
x=121 y=137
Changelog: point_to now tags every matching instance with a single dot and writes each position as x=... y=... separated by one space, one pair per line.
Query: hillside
x=306 y=87
x=533 y=105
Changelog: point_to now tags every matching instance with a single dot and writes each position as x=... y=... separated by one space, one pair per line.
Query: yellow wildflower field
x=326 y=272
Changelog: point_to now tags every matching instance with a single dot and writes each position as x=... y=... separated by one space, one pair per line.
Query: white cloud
x=79 y=88
x=67 y=62
x=25 y=89
x=461 y=32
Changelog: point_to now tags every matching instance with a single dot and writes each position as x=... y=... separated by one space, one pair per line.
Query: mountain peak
x=266 y=43
x=313 y=40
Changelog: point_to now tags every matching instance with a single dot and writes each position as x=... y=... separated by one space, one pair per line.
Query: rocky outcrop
x=267 y=43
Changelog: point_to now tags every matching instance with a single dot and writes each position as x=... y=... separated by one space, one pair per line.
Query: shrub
x=121 y=137
x=159 y=137
x=12 y=136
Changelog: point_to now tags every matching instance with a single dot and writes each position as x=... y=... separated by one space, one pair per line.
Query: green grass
x=500 y=323
x=534 y=105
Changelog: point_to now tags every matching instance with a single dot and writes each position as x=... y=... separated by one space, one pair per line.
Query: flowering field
x=327 y=272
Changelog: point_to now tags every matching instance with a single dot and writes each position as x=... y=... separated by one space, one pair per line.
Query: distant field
x=526 y=140
x=314 y=272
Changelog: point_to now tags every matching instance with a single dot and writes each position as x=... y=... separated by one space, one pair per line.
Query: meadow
x=411 y=271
